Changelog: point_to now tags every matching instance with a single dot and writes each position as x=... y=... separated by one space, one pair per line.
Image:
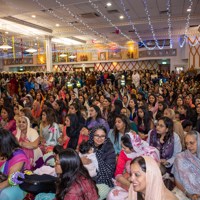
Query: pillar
x=48 y=53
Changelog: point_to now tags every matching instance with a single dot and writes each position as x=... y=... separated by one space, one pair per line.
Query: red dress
x=81 y=190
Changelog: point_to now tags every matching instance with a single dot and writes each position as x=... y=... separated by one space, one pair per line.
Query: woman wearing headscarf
x=106 y=158
x=146 y=181
x=186 y=168
x=28 y=139
x=132 y=147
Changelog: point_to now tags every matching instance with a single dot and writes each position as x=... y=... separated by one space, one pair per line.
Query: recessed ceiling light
x=57 y=25
x=33 y=16
x=121 y=17
x=35 y=44
x=6 y=32
x=189 y=10
x=109 y=4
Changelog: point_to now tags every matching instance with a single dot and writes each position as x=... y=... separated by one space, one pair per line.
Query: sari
x=186 y=169
x=10 y=125
x=14 y=192
x=31 y=136
x=141 y=148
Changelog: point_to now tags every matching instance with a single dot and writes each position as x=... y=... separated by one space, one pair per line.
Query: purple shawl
x=18 y=156
x=166 y=149
x=186 y=169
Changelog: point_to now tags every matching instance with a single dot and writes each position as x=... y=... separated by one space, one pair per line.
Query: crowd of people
x=120 y=134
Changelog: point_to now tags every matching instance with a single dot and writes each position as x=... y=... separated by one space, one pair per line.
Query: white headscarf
x=154 y=182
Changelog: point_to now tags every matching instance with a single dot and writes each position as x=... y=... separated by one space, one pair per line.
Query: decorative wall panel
x=194 y=52
x=128 y=65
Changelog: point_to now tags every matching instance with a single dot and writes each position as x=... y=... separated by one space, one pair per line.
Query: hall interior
x=102 y=35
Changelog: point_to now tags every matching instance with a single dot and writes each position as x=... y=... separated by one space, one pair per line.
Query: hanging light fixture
x=72 y=56
x=5 y=47
x=31 y=50
x=63 y=55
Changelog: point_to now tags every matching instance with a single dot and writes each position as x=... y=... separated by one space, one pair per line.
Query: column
x=48 y=53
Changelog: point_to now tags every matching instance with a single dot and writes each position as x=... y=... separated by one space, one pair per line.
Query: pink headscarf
x=142 y=148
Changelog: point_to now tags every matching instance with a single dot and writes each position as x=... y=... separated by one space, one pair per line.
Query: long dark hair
x=51 y=117
x=170 y=125
x=8 y=143
x=126 y=141
x=77 y=107
x=72 y=170
x=73 y=131
x=154 y=103
x=147 y=118
x=98 y=111
x=10 y=112
x=126 y=121
x=160 y=113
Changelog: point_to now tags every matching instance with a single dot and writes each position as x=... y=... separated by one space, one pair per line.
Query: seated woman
x=122 y=126
x=28 y=139
x=106 y=158
x=74 y=180
x=147 y=183
x=74 y=108
x=16 y=160
x=71 y=132
x=126 y=112
x=27 y=113
x=133 y=107
x=152 y=103
x=168 y=112
x=144 y=121
x=106 y=107
x=95 y=119
x=60 y=111
x=49 y=130
x=36 y=111
x=7 y=119
x=165 y=140
x=132 y=147
x=186 y=167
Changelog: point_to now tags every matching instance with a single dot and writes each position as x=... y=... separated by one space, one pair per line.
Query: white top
x=93 y=167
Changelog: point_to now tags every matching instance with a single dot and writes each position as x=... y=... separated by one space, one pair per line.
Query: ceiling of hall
x=79 y=19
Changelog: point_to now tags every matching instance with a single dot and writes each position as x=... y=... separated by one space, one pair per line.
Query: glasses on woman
x=99 y=136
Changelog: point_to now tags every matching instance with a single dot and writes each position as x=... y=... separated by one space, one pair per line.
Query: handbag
x=35 y=183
